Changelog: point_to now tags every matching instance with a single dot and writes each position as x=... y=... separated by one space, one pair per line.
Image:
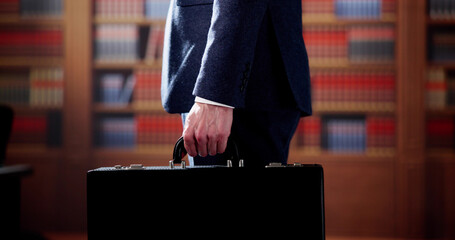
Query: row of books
x=142 y=87
x=45 y=129
x=440 y=88
x=132 y=9
x=442 y=46
x=368 y=86
x=116 y=132
x=9 y=6
x=116 y=88
x=32 y=8
x=442 y=9
x=42 y=42
x=139 y=131
x=128 y=43
x=41 y=8
x=346 y=134
x=350 y=43
x=440 y=132
x=41 y=87
x=349 y=9
x=158 y=129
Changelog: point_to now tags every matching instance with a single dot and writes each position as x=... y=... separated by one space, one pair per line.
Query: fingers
x=207 y=129
x=222 y=144
x=190 y=144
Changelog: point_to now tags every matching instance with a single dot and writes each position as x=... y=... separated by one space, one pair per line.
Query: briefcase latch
x=172 y=165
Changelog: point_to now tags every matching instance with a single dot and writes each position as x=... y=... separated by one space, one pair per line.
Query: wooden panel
x=410 y=177
x=78 y=93
x=38 y=212
x=440 y=193
x=359 y=198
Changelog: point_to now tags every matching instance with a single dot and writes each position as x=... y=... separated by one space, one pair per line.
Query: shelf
x=38 y=21
x=135 y=21
x=31 y=61
x=448 y=111
x=322 y=156
x=127 y=65
x=441 y=155
x=346 y=64
x=34 y=109
x=435 y=21
x=445 y=65
x=330 y=19
x=353 y=107
x=157 y=155
x=33 y=151
x=149 y=107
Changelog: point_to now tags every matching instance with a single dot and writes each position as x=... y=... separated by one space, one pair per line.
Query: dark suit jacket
x=242 y=53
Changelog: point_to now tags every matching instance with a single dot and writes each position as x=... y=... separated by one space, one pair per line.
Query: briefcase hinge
x=275 y=165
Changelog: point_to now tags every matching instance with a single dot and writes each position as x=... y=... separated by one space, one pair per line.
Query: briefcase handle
x=231 y=153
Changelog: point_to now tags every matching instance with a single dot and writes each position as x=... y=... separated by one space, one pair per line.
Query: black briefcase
x=207 y=202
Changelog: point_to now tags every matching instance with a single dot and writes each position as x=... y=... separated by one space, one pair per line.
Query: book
x=157 y=130
x=156 y=9
x=436 y=89
x=358 y=9
x=343 y=134
x=442 y=46
x=9 y=7
x=147 y=91
x=14 y=87
x=441 y=9
x=348 y=9
x=23 y=42
x=116 y=132
x=29 y=129
x=46 y=87
x=440 y=132
x=371 y=43
x=326 y=43
x=117 y=43
x=354 y=44
x=308 y=134
x=41 y=8
x=373 y=89
x=119 y=9
x=154 y=49
x=381 y=134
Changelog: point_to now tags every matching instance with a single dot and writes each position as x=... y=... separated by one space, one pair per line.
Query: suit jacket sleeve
x=228 y=56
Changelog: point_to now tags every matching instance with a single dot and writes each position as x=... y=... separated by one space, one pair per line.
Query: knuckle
x=201 y=138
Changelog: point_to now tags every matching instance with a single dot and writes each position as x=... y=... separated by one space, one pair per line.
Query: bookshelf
x=440 y=112
x=143 y=26
x=338 y=35
x=32 y=73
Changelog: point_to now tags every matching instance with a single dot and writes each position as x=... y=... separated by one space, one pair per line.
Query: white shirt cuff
x=203 y=100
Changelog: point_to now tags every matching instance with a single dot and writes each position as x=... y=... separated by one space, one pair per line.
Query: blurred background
x=83 y=80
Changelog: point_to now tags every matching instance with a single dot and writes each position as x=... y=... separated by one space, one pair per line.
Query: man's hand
x=207 y=129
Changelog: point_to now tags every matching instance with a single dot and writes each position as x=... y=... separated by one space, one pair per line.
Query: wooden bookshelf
x=109 y=65
x=135 y=21
x=31 y=61
x=330 y=19
x=17 y=20
x=152 y=107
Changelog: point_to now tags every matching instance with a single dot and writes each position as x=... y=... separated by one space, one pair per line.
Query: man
x=239 y=68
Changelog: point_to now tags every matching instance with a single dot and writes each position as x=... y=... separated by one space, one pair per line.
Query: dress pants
x=262 y=137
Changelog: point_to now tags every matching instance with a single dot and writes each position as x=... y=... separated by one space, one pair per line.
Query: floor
x=78 y=236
